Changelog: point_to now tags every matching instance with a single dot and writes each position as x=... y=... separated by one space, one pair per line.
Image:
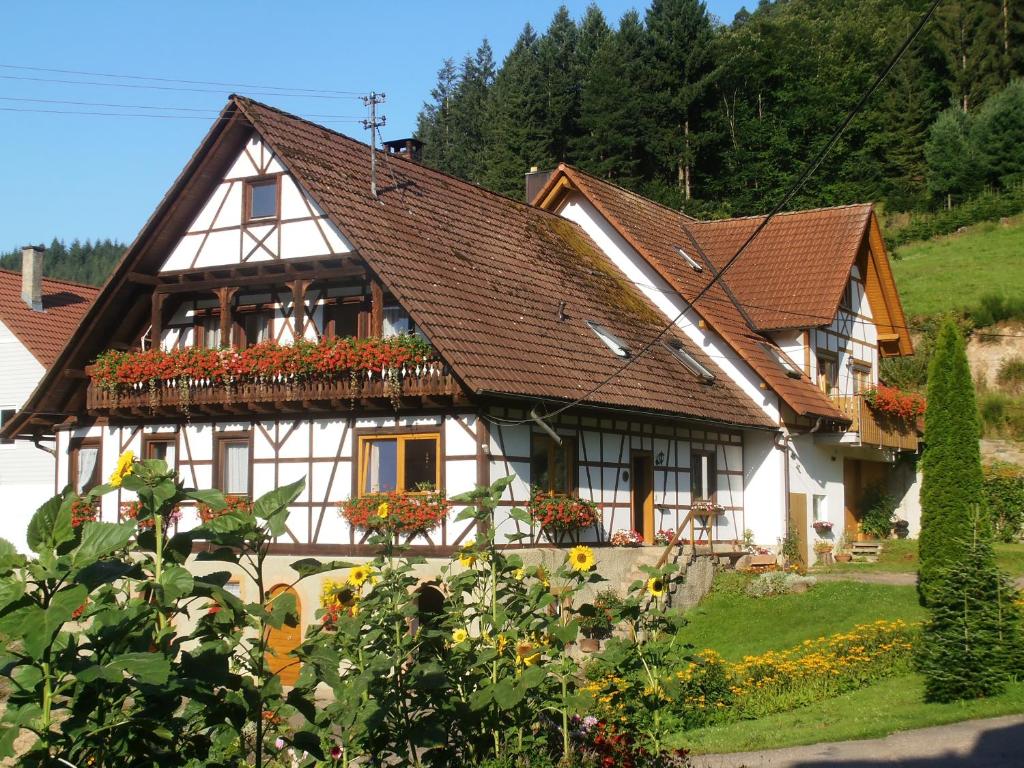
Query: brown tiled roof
x=794 y=273
x=484 y=276
x=656 y=232
x=44 y=333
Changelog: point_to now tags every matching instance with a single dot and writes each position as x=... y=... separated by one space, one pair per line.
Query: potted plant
x=823 y=549
x=559 y=515
x=396 y=512
x=901 y=528
x=821 y=527
x=877 y=513
x=597 y=620
x=624 y=538
x=843 y=554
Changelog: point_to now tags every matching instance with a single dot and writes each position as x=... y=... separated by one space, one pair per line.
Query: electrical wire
x=798 y=185
x=136 y=114
x=353 y=94
x=205 y=110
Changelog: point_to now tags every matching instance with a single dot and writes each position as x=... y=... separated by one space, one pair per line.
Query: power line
x=171 y=88
x=135 y=114
x=205 y=110
x=353 y=94
x=811 y=168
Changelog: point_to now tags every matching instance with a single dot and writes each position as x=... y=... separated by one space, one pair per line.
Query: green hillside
x=954 y=272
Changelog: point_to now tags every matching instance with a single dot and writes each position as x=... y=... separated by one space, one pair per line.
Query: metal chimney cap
x=38 y=248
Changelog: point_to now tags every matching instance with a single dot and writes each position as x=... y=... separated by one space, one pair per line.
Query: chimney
x=32 y=276
x=535 y=181
x=411 y=149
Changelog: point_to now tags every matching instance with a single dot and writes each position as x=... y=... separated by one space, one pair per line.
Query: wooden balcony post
x=376 y=308
x=298 y=289
x=156 y=319
x=225 y=295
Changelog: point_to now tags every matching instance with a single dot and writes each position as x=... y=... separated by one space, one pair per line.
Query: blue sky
x=87 y=176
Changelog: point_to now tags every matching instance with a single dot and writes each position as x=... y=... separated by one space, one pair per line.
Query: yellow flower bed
x=709 y=689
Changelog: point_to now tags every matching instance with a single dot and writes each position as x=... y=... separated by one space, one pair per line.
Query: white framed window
x=819 y=509
x=613 y=342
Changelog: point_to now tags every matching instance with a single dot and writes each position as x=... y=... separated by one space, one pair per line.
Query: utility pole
x=372 y=125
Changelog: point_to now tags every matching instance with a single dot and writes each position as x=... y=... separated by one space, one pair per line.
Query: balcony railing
x=406 y=387
x=877 y=429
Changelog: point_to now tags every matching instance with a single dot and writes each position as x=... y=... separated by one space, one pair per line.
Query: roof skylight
x=787 y=365
x=689 y=361
x=695 y=265
x=613 y=342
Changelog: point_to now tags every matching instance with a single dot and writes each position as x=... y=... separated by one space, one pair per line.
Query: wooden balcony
x=876 y=429
x=431 y=385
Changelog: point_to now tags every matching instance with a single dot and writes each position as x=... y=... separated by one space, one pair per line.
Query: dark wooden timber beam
x=156 y=316
x=255 y=281
x=376 y=308
x=141 y=279
x=298 y=289
x=225 y=295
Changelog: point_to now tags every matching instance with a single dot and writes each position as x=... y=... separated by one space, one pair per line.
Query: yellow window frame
x=366 y=441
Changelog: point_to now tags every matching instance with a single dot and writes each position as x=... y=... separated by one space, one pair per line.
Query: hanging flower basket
x=822 y=526
x=397 y=512
x=557 y=514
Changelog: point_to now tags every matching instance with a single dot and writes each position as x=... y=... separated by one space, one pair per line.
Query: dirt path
x=990 y=743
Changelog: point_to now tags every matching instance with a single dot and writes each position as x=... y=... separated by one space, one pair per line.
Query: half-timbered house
x=275 y=230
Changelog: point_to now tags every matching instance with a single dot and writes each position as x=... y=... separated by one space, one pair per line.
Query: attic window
x=689 y=361
x=613 y=342
x=261 y=198
x=695 y=265
x=787 y=365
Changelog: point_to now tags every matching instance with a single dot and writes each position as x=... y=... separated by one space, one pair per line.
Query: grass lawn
x=900 y=556
x=985 y=258
x=878 y=710
x=736 y=625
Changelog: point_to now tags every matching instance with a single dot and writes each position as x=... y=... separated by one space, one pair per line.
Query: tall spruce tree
x=556 y=56
x=969 y=33
x=434 y=123
x=997 y=134
x=680 y=65
x=952 y=169
x=952 y=480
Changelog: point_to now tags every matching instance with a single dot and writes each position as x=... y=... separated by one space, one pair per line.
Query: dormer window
x=786 y=364
x=261 y=198
x=613 y=342
x=689 y=361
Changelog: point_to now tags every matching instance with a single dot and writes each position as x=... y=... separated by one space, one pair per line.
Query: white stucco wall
x=26 y=472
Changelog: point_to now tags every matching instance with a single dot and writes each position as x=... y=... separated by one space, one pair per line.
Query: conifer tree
x=971 y=642
x=952 y=169
x=951 y=465
x=997 y=135
x=556 y=56
x=469 y=113
x=434 y=123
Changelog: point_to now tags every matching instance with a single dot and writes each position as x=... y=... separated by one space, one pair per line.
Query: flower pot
x=590 y=644
x=902 y=533
x=843 y=557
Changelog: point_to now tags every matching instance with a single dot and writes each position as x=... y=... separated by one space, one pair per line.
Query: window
x=86 y=464
x=861 y=378
x=613 y=342
x=350 y=318
x=828 y=371
x=695 y=265
x=552 y=466
x=396 y=321
x=399 y=463
x=207 y=331
x=6 y=414
x=688 y=360
x=160 y=447
x=233 y=467
x=255 y=326
x=818 y=508
x=261 y=198
x=783 y=360
x=703 y=482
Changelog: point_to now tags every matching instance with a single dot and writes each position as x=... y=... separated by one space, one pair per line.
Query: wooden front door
x=281 y=643
x=643 y=494
x=798 y=521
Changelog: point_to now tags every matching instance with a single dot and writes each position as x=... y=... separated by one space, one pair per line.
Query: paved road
x=997 y=742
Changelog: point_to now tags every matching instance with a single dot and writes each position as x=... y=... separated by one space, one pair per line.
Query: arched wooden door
x=284 y=641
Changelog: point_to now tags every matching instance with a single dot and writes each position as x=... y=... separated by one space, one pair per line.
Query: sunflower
x=124 y=468
x=581 y=559
x=467 y=558
x=527 y=655
x=459 y=636
x=656 y=586
x=382 y=510
x=358 y=575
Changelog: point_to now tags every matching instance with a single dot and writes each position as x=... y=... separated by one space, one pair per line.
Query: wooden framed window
x=253 y=325
x=6 y=414
x=399 y=462
x=828 y=371
x=396 y=321
x=232 y=463
x=703 y=477
x=163 y=447
x=207 y=330
x=861 y=372
x=349 y=316
x=85 y=470
x=553 y=466
x=262 y=198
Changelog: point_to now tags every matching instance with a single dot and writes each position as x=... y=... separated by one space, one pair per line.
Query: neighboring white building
x=37 y=316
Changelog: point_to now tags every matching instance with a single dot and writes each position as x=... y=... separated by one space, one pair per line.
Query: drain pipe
x=36 y=442
x=545 y=426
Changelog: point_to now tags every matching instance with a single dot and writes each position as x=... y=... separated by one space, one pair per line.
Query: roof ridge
x=819 y=209
x=471 y=185
x=60 y=280
x=630 y=192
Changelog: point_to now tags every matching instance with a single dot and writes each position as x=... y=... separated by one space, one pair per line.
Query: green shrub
x=989 y=205
x=996 y=308
x=1004 y=497
x=1011 y=373
x=1001 y=415
x=877 y=512
x=777 y=583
